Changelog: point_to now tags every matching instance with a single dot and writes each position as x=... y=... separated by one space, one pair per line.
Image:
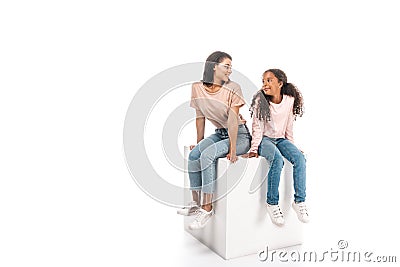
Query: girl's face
x=223 y=70
x=271 y=84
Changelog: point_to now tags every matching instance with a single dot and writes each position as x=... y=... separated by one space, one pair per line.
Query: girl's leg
x=268 y=150
x=296 y=157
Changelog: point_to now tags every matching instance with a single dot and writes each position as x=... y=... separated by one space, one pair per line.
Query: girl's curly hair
x=262 y=112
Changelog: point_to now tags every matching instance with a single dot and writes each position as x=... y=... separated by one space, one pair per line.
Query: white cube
x=241 y=225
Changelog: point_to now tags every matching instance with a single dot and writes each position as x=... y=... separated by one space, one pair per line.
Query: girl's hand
x=252 y=155
x=232 y=156
x=191 y=147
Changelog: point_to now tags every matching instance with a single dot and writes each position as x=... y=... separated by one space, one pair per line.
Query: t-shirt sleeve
x=193 y=102
x=289 y=126
x=237 y=97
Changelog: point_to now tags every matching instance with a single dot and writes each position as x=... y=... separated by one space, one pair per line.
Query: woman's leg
x=194 y=166
x=207 y=201
x=268 y=150
x=209 y=160
x=243 y=140
x=196 y=196
x=296 y=157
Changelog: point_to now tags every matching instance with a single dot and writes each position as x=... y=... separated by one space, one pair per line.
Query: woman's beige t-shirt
x=215 y=106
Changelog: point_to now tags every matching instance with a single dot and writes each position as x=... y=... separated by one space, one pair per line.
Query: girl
x=274 y=108
x=217 y=99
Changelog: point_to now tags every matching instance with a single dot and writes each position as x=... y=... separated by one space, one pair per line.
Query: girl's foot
x=301 y=211
x=275 y=214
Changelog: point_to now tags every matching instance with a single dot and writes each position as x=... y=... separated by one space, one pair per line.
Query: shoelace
x=199 y=215
x=303 y=209
x=277 y=212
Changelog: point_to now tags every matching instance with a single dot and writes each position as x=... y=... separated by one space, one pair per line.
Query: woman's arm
x=232 y=132
x=200 y=125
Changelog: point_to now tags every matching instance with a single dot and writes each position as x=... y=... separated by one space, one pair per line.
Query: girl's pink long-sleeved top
x=280 y=125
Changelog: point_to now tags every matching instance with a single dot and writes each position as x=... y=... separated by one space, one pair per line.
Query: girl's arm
x=233 y=126
x=289 y=130
x=257 y=134
x=257 y=129
x=289 y=127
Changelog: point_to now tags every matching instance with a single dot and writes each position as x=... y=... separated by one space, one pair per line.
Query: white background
x=69 y=69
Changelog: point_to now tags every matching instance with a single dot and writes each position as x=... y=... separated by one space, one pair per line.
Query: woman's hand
x=191 y=147
x=232 y=157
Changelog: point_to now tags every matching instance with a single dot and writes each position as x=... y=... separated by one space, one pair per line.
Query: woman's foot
x=301 y=211
x=202 y=218
x=191 y=209
x=275 y=214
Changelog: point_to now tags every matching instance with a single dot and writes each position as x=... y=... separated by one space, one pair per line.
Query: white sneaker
x=191 y=209
x=275 y=214
x=202 y=217
x=301 y=211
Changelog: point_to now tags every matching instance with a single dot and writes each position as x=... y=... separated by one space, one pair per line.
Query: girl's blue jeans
x=274 y=149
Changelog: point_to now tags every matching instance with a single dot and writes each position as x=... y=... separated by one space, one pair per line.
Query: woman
x=274 y=108
x=217 y=99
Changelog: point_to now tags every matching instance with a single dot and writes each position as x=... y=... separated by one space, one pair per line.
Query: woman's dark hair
x=263 y=111
x=211 y=61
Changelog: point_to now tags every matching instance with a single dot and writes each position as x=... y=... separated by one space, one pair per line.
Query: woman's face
x=271 y=84
x=223 y=70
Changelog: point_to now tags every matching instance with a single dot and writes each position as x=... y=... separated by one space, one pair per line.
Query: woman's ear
x=280 y=84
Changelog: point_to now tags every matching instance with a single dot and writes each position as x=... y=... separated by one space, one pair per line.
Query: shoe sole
x=277 y=224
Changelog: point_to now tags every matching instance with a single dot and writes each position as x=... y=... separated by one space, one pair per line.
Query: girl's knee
x=300 y=159
x=278 y=159
x=274 y=158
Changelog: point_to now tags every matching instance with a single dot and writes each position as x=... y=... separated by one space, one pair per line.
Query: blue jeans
x=202 y=164
x=274 y=149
